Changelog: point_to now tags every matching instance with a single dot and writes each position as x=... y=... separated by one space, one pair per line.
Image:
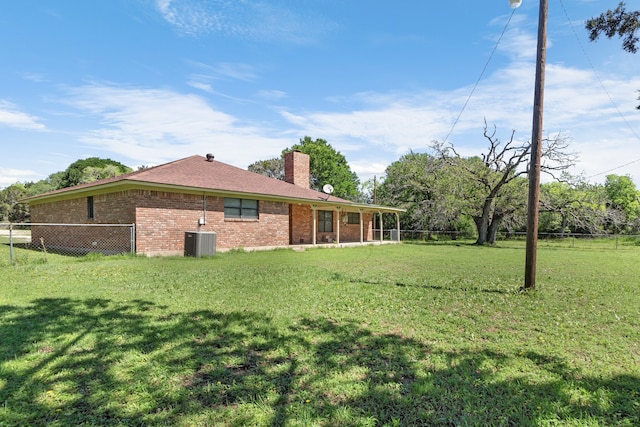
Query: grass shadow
x=100 y=362
x=341 y=277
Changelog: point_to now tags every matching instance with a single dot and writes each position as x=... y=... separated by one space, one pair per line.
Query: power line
x=613 y=169
x=455 y=122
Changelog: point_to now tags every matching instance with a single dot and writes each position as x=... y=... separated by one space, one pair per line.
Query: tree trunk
x=493 y=229
x=482 y=227
x=563 y=226
x=482 y=223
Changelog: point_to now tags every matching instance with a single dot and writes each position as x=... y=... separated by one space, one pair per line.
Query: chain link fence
x=67 y=239
x=517 y=239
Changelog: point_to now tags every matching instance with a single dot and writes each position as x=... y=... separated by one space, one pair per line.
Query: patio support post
x=381 y=230
x=338 y=219
x=361 y=227
x=315 y=223
x=398 y=225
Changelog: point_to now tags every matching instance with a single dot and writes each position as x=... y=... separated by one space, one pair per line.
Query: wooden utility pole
x=536 y=151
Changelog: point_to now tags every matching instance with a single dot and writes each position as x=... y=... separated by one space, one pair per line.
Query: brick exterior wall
x=162 y=218
x=302 y=224
x=112 y=208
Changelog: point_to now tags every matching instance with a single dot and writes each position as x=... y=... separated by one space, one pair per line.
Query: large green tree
x=10 y=209
x=90 y=169
x=273 y=168
x=572 y=205
x=428 y=189
x=624 y=197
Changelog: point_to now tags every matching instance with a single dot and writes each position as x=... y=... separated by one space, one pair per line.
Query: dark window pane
x=90 y=207
x=249 y=204
x=240 y=208
x=325 y=221
x=232 y=202
x=232 y=212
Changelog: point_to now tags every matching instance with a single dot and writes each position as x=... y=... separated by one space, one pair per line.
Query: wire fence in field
x=67 y=239
x=26 y=239
x=558 y=240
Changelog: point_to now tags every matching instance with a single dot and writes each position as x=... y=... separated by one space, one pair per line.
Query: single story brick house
x=244 y=209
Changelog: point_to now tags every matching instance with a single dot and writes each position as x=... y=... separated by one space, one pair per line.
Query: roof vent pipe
x=210 y=157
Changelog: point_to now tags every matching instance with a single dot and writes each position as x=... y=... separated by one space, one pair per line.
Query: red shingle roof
x=196 y=172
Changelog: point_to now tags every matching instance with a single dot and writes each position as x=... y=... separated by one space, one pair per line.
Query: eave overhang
x=322 y=201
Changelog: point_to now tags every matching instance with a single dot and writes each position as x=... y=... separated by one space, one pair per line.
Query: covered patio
x=335 y=224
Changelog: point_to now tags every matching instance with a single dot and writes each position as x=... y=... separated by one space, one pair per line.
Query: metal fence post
x=133 y=238
x=11 y=243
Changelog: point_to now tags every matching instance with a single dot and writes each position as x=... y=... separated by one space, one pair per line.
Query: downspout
x=204 y=208
x=203 y=221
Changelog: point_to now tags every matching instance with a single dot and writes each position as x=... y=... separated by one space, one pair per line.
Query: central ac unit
x=199 y=243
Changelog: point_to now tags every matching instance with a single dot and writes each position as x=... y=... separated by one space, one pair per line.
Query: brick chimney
x=296 y=168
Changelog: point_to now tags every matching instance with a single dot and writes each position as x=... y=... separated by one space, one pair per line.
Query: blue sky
x=145 y=82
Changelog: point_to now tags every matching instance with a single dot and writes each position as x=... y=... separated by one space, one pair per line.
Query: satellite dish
x=327 y=188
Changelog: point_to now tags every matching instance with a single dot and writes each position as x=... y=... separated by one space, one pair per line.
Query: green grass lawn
x=393 y=335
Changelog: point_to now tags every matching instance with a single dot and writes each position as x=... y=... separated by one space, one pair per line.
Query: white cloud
x=575 y=104
x=272 y=95
x=374 y=129
x=394 y=129
x=207 y=75
x=12 y=117
x=205 y=87
x=154 y=126
x=11 y=176
x=517 y=43
x=224 y=71
x=249 y=19
x=368 y=169
x=236 y=71
x=151 y=126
